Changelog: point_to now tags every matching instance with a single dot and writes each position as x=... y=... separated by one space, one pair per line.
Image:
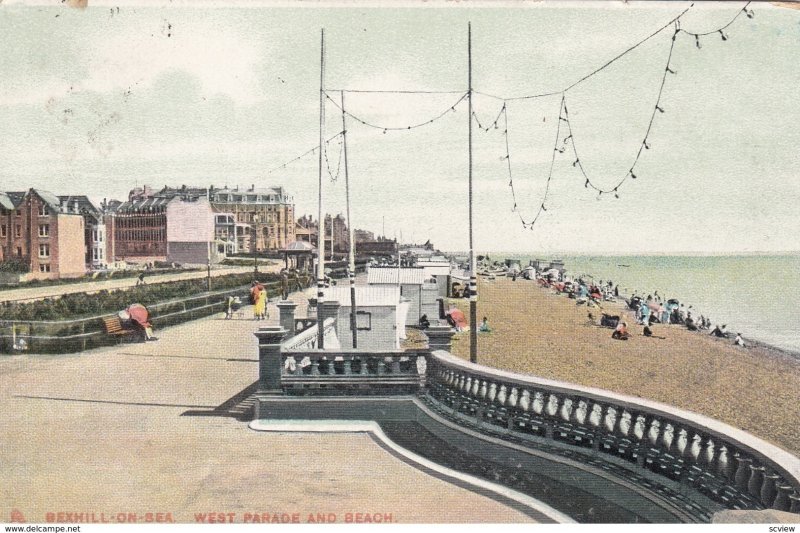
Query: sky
x=99 y=100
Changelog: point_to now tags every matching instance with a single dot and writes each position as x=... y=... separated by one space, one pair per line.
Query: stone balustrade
x=723 y=464
x=351 y=367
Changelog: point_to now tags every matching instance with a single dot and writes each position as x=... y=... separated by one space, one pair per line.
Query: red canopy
x=139 y=314
x=458 y=317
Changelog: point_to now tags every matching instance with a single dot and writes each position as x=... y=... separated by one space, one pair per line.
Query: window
x=2 y=230
x=363 y=320
x=19 y=251
x=18 y=231
x=42 y=210
x=44 y=250
x=44 y=268
x=44 y=230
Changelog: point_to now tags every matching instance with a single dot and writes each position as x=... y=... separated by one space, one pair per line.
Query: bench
x=113 y=327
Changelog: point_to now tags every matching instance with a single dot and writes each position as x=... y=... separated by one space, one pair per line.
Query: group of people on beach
x=649 y=310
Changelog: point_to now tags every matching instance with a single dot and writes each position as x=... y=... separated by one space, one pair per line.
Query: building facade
x=266 y=213
x=40 y=237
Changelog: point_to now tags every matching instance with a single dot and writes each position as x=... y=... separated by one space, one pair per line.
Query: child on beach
x=621 y=332
x=738 y=341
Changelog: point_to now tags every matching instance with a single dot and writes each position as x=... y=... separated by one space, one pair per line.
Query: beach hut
x=378 y=314
x=438 y=268
x=413 y=286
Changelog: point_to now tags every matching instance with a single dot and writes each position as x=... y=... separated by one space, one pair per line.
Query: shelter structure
x=379 y=316
x=414 y=286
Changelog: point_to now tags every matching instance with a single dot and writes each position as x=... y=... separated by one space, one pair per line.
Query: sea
x=755 y=295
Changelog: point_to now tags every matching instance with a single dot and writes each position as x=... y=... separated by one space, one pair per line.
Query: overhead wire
x=399 y=128
x=307 y=152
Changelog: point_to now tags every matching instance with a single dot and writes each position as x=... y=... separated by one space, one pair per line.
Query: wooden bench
x=114 y=328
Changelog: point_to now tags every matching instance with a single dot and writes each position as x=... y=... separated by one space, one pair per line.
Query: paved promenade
x=152 y=428
x=38 y=292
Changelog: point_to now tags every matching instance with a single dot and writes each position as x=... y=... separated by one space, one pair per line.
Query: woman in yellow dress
x=260 y=307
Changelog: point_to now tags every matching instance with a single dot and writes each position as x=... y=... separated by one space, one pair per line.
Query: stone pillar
x=269 y=358
x=286 y=311
x=329 y=310
x=439 y=337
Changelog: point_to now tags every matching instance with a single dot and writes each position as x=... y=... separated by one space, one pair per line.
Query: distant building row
x=61 y=236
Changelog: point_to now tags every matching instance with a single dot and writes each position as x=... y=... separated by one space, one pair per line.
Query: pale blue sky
x=94 y=102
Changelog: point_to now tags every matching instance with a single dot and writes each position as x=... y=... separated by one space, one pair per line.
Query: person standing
x=259 y=308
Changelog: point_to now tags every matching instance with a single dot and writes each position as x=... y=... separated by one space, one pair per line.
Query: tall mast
x=321 y=221
x=351 y=266
x=473 y=280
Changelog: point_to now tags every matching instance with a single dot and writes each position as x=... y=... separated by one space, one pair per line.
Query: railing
x=351 y=369
x=724 y=464
x=306 y=339
x=66 y=336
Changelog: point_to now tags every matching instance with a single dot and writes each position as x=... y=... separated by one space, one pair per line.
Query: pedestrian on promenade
x=260 y=307
x=140 y=281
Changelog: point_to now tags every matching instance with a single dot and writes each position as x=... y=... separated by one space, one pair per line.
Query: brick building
x=337 y=238
x=42 y=237
x=268 y=213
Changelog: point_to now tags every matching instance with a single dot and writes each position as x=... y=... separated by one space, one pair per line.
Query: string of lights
x=301 y=156
x=392 y=91
x=750 y=14
x=333 y=176
x=398 y=128
x=493 y=123
x=645 y=145
x=507 y=157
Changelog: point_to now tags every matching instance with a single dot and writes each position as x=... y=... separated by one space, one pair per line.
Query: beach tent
x=458 y=318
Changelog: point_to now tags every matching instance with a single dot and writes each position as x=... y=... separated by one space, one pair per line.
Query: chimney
x=75 y=207
x=252 y=187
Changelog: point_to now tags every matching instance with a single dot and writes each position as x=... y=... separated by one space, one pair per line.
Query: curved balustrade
x=726 y=465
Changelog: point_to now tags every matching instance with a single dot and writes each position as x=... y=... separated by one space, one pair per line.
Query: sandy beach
x=535 y=331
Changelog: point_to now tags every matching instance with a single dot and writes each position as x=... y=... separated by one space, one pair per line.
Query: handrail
x=151 y=307
x=723 y=463
x=307 y=337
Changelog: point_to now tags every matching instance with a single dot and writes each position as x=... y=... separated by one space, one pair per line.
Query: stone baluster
x=476 y=385
x=394 y=364
x=513 y=398
x=706 y=453
x=484 y=389
x=623 y=423
x=794 y=502
x=769 y=489
x=538 y=403
x=725 y=466
x=382 y=367
x=654 y=432
x=270 y=361
x=756 y=481
x=492 y=392
x=348 y=366
x=782 y=502
x=742 y=475
x=467 y=385
x=553 y=404
x=567 y=409
x=525 y=400
x=502 y=394
x=315 y=370
x=669 y=438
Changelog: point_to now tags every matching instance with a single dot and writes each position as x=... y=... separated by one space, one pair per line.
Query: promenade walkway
x=45 y=291
x=152 y=428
